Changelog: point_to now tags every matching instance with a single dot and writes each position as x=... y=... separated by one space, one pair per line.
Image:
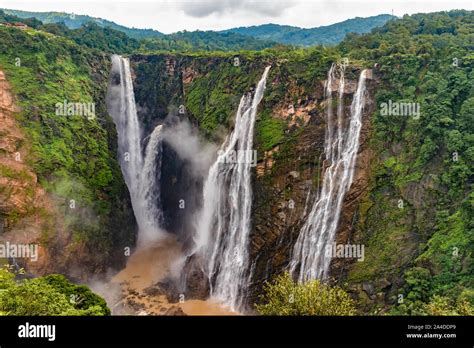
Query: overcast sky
x=174 y=15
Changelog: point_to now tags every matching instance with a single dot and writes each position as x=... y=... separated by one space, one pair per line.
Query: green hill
x=73 y=21
x=262 y=35
x=111 y=37
x=326 y=35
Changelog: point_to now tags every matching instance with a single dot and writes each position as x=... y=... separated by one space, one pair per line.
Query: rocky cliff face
x=60 y=184
x=347 y=230
x=285 y=193
x=168 y=91
x=159 y=86
x=23 y=200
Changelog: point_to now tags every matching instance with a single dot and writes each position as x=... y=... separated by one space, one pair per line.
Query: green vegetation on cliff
x=49 y=295
x=213 y=95
x=94 y=36
x=418 y=220
x=72 y=154
x=189 y=41
x=285 y=297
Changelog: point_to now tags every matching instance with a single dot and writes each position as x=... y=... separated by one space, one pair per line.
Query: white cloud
x=204 y=8
x=174 y=15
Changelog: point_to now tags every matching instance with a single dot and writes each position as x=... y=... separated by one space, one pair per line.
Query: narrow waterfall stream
x=123 y=111
x=225 y=220
x=309 y=260
x=152 y=214
x=141 y=173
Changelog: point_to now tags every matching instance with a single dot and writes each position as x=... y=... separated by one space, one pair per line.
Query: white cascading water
x=152 y=215
x=329 y=141
x=225 y=219
x=128 y=127
x=309 y=259
x=141 y=174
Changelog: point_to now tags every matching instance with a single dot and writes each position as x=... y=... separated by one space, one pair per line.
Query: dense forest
x=429 y=60
x=325 y=35
x=234 y=39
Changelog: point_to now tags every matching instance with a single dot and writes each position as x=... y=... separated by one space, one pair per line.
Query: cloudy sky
x=174 y=15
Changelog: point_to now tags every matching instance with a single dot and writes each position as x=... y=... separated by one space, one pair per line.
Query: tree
x=285 y=297
x=50 y=295
x=440 y=305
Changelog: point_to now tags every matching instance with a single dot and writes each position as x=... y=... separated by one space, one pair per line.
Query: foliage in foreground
x=49 y=295
x=420 y=301
x=285 y=297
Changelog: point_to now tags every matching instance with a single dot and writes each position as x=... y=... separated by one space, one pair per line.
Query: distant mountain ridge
x=111 y=40
x=73 y=21
x=268 y=34
x=324 y=35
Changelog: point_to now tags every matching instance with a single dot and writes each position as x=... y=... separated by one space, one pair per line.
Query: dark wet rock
x=169 y=289
x=136 y=306
x=383 y=284
x=368 y=288
x=153 y=290
x=194 y=280
x=175 y=311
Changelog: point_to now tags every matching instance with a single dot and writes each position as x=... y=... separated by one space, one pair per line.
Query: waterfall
x=329 y=141
x=141 y=174
x=128 y=127
x=151 y=214
x=224 y=223
x=309 y=260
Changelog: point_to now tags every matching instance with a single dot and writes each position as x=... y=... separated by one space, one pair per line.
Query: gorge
x=220 y=244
